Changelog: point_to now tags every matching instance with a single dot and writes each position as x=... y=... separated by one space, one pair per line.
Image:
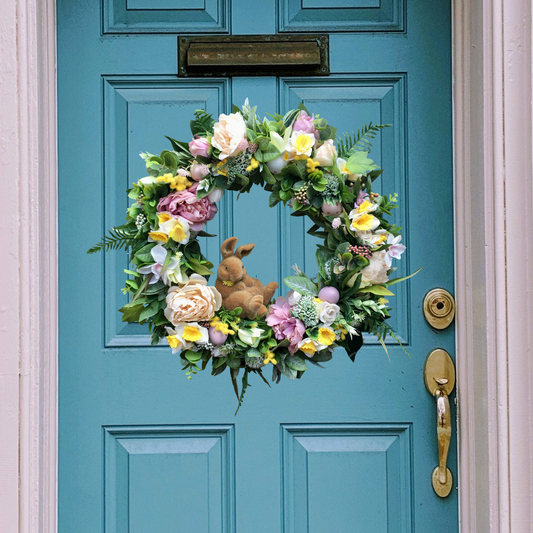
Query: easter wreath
x=233 y=324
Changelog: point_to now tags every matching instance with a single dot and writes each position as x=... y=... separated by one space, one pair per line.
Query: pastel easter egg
x=331 y=210
x=277 y=165
x=329 y=294
x=217 y=337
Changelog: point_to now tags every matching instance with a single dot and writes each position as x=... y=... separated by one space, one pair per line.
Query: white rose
x=250 y=338
x=326 y=154
x=230 y=130
x=328 y=313
x=192 y=302
x=376 y=272
x=215 y=195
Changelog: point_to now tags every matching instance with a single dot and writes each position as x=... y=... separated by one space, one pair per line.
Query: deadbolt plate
x=439 y=308
x=439 y=372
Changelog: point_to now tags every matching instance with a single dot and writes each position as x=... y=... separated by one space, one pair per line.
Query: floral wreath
x=295 y=158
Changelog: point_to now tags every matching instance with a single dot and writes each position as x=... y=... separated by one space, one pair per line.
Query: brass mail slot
x=253 y=55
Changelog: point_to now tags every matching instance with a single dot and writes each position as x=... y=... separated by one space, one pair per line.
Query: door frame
x=493 y=149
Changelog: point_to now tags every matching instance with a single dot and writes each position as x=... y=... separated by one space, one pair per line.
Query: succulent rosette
x=299 y=159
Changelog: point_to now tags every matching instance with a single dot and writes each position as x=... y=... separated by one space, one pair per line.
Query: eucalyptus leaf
x=301 y=284
x=296 y=363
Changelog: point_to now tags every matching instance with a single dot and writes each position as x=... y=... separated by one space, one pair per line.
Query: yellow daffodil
x=158 y=236
x=366 y=207
x=176 y=228
x=164 y=217
x=270 y=358
x=191 y=333
x=326 y=336
x=365 y=222
x=254 y=163
x=177 y=233
x=173 y=341
x=308 y=347
x=220 y=170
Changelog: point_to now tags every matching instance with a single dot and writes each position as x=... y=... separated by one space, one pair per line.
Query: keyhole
x=440 y=305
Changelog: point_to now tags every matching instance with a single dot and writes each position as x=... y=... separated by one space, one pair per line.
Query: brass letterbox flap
x=253 y=55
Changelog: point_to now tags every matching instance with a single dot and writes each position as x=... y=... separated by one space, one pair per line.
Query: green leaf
x=199 y=268
x=376 y=289
x=192 y=357
x=149 y=311
x=269 y=153
x=131 y=314
x=397 y=280
x=296 y=363
x=359 y=163
x=301 y=284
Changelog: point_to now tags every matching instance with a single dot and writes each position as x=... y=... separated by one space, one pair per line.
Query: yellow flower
x=302 y=144
x=177 y=233
x=164 y=217
x=317 y=300
x=180 y=183
x=312 y=165
x=381 y=238
x=221 y=326
x=220 y=170
x=269 y=358
x=383 y=301
x=167 y=178
x=191 y=334
x=158 y=236
x=254 y=163
x=308 y=348
x=173 y=341
x=228 y=283
x=326 y=336
x=365 y=222
x=343 y=332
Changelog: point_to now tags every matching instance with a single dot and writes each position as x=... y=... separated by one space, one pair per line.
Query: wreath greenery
x=295 y=158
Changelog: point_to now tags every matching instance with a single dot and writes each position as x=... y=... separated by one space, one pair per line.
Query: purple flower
x=185 y=204
x=284 y=325
x=199 y=146
x=361 y=198
x=395 y=249
x=305 y=123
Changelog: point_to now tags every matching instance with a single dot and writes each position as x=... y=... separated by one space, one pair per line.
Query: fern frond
x=361 y=140
x=203 y=123
x=116 y=239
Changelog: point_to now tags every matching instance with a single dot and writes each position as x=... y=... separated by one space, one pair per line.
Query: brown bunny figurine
x=237 y=288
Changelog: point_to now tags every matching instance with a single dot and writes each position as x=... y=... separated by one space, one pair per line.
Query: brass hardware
x=439 y=308
x=439 y=377
x=253 y=55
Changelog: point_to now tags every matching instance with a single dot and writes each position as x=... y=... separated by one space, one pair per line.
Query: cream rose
x=328 y=313
x=194 y=301
x=376 y=272
x=326 y=154
x=230 y=130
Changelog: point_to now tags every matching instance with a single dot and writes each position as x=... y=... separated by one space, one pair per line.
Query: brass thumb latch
x=439 y=376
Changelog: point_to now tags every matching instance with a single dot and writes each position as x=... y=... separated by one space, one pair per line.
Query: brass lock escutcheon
x=439 y=376
x=439 y=308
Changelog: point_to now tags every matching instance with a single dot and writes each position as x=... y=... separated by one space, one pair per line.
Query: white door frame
x=493 y=89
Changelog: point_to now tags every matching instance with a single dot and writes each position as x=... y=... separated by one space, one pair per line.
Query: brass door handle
x=439 y=376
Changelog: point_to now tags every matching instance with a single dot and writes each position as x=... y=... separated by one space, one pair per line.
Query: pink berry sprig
x=301 y=195
x=363 y=251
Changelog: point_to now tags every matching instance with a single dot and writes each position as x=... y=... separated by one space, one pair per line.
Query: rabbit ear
x=244 y=250
x=228 y=246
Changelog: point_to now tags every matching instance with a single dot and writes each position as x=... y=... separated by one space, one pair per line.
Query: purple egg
x=217 y=337
x=329 y=294
x=332 y=210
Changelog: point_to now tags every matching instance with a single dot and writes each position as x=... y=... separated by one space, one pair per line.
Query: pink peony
x=305 y=123
x=199 y=146
x=284 y=325
x=185 y=204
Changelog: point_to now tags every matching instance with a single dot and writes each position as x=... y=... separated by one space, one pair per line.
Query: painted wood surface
x=135 y=436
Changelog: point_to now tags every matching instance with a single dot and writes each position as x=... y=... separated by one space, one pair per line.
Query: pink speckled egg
x=332 y=210
x=329 y=294
x=217 y=337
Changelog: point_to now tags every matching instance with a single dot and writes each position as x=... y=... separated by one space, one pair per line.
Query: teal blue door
x=350 y=448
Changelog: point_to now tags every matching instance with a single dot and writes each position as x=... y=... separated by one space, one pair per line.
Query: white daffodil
x=177 y=229
x=300 y=145
x=341 y=164
x=185 y=335
x=159 y=253
x=250 y=336
x=361 y=218
x=377 y=238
